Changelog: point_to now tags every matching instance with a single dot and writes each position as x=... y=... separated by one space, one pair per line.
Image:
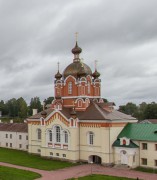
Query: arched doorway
x=94 y=159
x=124 y=157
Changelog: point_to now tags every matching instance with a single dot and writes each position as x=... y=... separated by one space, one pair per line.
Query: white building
x=14 y=135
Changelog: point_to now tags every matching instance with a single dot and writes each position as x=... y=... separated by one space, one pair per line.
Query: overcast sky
x=120 y=34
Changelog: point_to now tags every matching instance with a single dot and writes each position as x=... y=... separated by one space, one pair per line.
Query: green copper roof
x=144 y=132
x=131 y=145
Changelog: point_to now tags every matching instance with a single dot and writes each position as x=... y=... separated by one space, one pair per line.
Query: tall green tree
x=12 y=107
x=35 y=104
x=150 y=111
x=130 y=108
x=22 y=107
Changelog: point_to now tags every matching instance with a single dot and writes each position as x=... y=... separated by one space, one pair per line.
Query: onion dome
x=82 y=72
x=96 y=74
x=58 y=75
x=74 y=68
x=76 y=49
x=44 y=113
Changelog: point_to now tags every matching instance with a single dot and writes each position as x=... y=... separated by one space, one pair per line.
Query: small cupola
x=96 y=74
x=58 y=75
x=76 y=51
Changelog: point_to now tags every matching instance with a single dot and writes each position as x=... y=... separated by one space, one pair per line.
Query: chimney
x=35 y=111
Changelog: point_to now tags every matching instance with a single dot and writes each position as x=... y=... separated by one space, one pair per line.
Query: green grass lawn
x=7 y=173
x=28 y=160
x=101 y=177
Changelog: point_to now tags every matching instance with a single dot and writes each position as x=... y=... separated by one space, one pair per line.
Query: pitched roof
x=14 y=127
x=93 y=112
x=131 y=145
x=143 y=132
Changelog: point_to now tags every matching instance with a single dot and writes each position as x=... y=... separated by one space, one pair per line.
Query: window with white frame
x=65 y=137
x=88 y=90
x=91 y=138
x=83 y=90
x=79 y=103
x=39 y=134
x=70 y=88
x=50 y=135
x=58 y=135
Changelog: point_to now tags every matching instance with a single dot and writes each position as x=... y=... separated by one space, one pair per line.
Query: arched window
x=39 y=134
x=65 y=137
x=58 y=135
x=91 y=138
x=80 y=103
x=88 y=87
x=70 y=88
x=50 y=135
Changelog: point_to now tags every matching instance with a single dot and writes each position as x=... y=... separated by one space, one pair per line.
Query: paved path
x=82 y=170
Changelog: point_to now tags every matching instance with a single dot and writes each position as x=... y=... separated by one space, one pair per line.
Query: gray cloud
x=121 y=35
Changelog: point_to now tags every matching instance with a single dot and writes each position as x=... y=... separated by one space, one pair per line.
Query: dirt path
x=82 y=170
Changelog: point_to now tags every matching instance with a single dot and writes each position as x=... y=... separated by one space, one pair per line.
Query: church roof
x=131 y=144
x=143 y=132
x=93 y=112
x=75 y=68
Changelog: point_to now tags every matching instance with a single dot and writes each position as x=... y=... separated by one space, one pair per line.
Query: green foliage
x=102 y=177
x=28 y=160
x=142 y=111
x=48 y=100
x=35 y=104
x=22 y=108
x=16 y=174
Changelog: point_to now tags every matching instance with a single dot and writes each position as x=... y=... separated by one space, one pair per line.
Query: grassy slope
x=7 y=173
x=24 y=159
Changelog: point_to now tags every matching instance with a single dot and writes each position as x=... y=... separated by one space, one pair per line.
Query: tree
x=35 y=104
x=49 y=100
x=130 y=109
x=3 y=108
x=150 y=111
x=12 y=107
x=22 y=108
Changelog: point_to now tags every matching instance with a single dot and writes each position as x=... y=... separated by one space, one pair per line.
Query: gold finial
x=96 y=61
x=58 y=66
x=76 y=36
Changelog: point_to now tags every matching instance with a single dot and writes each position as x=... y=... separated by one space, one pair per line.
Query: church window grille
x=91 y=138
x=83 y=90
x=70 y=88
x=58 y=136
x=65 y=137
x=39 y=134
x=79 y=103
x=96 y=91
x=50 y=135
x=88 y=88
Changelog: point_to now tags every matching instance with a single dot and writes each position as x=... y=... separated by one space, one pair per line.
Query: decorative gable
x=56 y=115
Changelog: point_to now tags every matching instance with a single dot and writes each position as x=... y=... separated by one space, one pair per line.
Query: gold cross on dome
x=96 y=61
x=58 y=66
x=76 y=36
